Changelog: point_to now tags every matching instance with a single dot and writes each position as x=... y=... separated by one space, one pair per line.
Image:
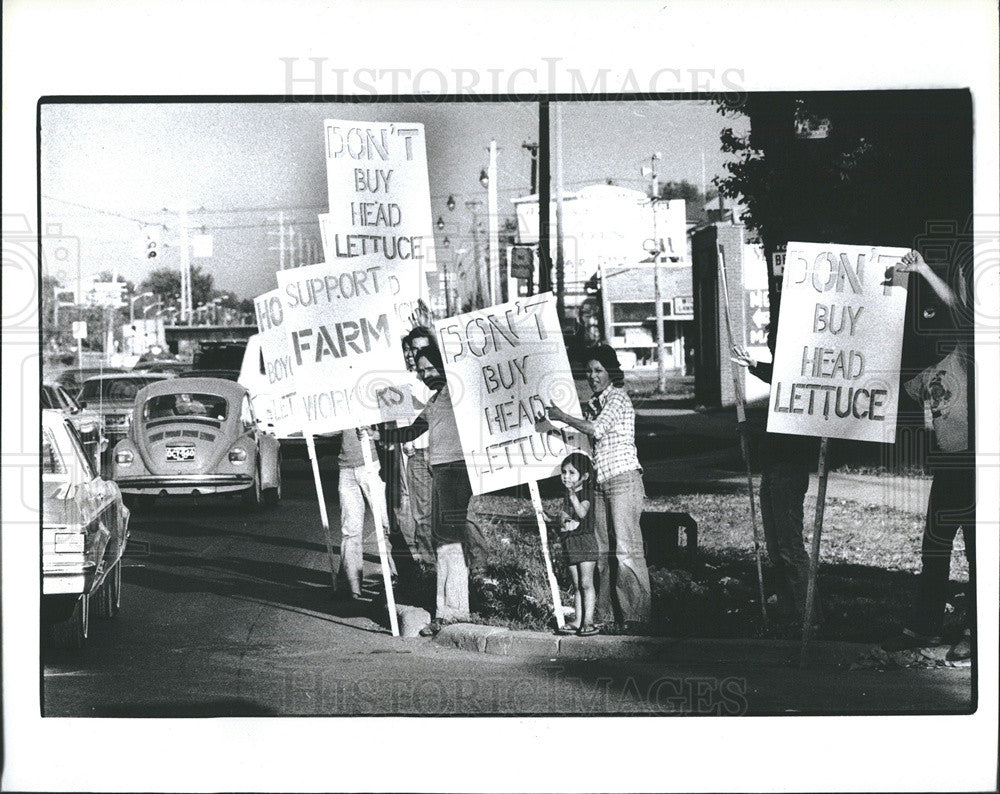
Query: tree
x=883 y=168
x=166 y=285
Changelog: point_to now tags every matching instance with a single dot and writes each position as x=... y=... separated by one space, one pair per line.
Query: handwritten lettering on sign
x=275 y=402
x=343 y=340
x=840 y=336
x=504 y=364
x=379 y=194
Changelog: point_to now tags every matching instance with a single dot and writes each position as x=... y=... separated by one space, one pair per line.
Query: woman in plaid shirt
x=610 y=423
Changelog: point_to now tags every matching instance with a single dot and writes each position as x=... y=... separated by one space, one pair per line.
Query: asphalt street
x=231 y=613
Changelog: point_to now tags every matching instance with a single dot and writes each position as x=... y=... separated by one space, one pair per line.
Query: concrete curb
x=499 y=641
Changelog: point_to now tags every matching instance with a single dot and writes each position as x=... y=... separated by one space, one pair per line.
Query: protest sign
x=343 y=340
x=273 y=390
x=504 y=364
x=413 y=284
x=840 y=336
x=380 y=208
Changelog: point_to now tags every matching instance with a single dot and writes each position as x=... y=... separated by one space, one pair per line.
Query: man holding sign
x=835 y=375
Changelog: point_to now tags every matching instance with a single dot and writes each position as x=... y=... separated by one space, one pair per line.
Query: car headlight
x=124 y=457
x=237 y=455
x=86 y=428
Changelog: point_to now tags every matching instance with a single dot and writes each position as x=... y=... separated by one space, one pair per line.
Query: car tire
x=71 y=634
x=253 y=497
x=272 y=496
x=109 y=596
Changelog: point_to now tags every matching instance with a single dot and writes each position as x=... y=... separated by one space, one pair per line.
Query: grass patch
x=870 y=557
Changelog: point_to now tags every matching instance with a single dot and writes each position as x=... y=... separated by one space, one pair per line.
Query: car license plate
x=180 y=453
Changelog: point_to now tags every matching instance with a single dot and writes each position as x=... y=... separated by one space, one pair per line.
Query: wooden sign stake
x=383 y=552
x=536 y=501
x=741 y=420
x=311 y=446
x=807 y=619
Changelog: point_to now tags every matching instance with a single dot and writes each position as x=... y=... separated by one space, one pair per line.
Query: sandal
x=587 y=631
x=568 y=628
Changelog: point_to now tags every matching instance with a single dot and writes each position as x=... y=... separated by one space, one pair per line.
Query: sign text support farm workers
x=504 y=364
x=343 y=337
x=840 y=336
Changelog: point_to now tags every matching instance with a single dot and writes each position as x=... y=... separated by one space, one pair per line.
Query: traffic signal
x=152 y=244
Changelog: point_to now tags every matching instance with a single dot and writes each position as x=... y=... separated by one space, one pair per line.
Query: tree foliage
x=165 y=283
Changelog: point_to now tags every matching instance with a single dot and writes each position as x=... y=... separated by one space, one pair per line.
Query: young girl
x=579 y=540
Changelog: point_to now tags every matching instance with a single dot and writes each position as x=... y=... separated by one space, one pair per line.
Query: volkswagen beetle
x=196 y=437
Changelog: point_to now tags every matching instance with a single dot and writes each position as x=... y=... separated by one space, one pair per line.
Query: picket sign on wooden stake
x=741 y=422
x=311 y=446
x=383 y=552
x=536 y=501
x=807 y=619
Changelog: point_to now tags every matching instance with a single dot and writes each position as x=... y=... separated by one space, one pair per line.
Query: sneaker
x=961 y=650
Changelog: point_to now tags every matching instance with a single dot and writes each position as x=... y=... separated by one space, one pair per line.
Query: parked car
x=88 y=423
x=84 y=534
x=196 y=436
x=73 y=378
x=112 y=396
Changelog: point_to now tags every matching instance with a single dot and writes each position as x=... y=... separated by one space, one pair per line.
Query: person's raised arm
x=913 y=262
x=407 y=433
x=583 y=425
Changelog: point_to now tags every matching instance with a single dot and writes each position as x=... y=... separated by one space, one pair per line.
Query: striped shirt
x=613 y=417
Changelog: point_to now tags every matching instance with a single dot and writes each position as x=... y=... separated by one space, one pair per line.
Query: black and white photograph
x=406 y=405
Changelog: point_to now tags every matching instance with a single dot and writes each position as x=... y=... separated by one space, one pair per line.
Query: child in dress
x=576 y=525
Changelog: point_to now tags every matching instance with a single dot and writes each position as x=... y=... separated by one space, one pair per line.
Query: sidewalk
x=498 y=641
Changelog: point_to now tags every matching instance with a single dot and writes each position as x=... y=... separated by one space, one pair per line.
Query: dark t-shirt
x=585 y=494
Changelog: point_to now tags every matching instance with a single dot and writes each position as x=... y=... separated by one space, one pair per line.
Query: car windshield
x=113 y=389
x=186 y=406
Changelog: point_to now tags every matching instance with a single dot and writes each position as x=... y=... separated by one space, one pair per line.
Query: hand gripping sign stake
x=536 y=501
x=741 y=420
x=807 y=619
x=383 y=553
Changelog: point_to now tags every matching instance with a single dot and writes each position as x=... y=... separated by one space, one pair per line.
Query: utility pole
x=494 y=226
x=474 y=205
x=661 y=369
x=281 y=240
x=544 y=199
x=187 y=294
x=560 y=261
x=533 y=148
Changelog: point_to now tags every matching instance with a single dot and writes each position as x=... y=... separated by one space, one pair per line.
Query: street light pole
x=661 y=364
x=131 y=305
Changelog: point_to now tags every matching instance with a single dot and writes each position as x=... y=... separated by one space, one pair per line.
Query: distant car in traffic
x=73 y=378
x=84 y=534
x=88 y=423
x=225 y=374
x=113 y=396
x=171 y=366
x=193 y=437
